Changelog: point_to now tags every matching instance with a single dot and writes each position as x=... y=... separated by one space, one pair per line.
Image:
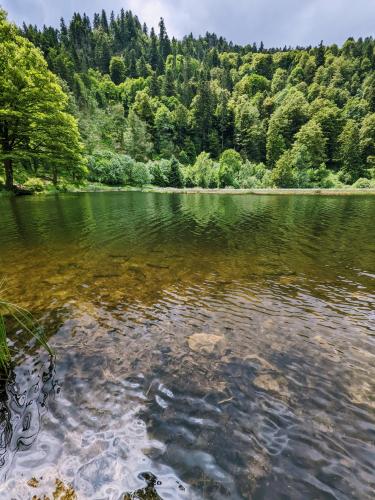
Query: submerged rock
x=206 y=343
x=271 y=383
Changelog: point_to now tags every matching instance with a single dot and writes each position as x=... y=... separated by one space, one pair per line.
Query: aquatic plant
x=22 y=318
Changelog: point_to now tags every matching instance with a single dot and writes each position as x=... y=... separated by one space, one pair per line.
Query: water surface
x=208 y=346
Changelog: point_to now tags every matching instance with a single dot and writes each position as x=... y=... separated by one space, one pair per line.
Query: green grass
x=5 y=356
x=23 y=319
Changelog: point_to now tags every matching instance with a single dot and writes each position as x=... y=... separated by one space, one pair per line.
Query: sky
x=275 y=22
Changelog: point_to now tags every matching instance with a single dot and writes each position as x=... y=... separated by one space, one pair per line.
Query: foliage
x=175 y=178
x=34 y=122
x=139 y=174
x=300 y=117
x=34 y=185
x=363 y=183
x=253 y=175
x=137 y=141
x=160 y=171
x=117 y=70
x=349 y=152
x=204 y=173
x=24 y=320
x=229 y=166
x=109 y=168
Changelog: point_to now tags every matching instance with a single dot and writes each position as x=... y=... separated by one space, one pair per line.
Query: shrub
x=363 y=183
x=175 y=178
x=205 y=172
x=110 y=168
x=316 y=176
x=230 y=165
x=284 y=175
x=253 y=175
x=63 y=187
x=140 y=175
x=34 y=184
x=188 y=177
x=159 y=171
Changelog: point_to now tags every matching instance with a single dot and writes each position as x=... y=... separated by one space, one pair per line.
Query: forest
x=109 y=100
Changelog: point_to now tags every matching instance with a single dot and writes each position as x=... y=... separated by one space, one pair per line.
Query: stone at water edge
x=206 y=343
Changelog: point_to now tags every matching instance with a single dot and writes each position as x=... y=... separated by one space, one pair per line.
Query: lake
x=208 y=346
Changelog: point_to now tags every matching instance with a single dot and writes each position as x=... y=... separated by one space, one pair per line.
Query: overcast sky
x=276 y=22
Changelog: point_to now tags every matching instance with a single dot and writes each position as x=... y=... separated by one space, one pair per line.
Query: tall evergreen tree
x=175 y=178
x=164 y=42
x=104 y=21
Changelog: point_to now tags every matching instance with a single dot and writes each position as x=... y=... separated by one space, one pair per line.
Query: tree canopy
x=299 y=116
x=34 y=122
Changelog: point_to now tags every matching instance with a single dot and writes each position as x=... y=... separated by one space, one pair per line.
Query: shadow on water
x=24 y=398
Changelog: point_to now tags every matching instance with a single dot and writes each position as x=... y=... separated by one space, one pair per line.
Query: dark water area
x=208 y=347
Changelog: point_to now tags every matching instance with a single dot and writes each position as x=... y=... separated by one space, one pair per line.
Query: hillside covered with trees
x=191 y=112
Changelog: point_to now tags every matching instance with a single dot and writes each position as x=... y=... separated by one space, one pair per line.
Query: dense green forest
x=109 y=100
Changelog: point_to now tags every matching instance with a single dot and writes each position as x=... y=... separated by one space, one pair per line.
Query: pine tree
x=63 y=33
x=104 y=21
x=175 y=178
x=203 y=110
x=141 y=67
x=96 y=22
x=154 y=51
x=320 y=55
x=154 y=85
x=131 y=64
x=164 y=43
x=169 y=87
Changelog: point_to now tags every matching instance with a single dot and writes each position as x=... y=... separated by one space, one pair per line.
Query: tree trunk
x=54 y=179
x=9 y=185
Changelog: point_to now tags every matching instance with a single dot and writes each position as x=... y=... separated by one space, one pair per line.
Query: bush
x=331 y=181
x=63 y=187
x=166 y=173
x=110 y=168
x=253 y=176
x=204 y=172
x=363 y=183
x=34 y=184
x=345 y=177
x=284 y=175
x=159 y=171
x=188 y=176
x=230 y=165
x=175 y=178
x=140 y=175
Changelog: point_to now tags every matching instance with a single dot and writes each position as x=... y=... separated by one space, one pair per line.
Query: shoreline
x=230 y=191
x=218 y=191
x=266 y=191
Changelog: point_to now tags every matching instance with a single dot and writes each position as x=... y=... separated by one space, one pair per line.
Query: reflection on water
x=208 y=346
x=24 y=397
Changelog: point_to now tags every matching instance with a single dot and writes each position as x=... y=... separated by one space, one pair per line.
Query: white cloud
x=287 y=22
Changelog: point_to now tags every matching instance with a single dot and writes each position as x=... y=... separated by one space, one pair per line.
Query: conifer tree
x=350 y=153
